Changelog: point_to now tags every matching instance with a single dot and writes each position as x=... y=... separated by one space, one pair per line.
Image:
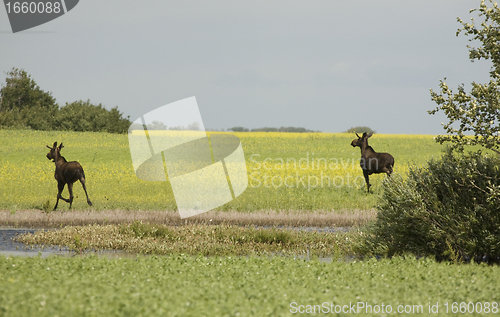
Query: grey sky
x=322 y=65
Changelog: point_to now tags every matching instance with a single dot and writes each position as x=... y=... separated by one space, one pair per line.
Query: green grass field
x=243 y=286
x=287 y=171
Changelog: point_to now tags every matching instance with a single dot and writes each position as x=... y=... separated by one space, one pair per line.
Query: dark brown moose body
x=371 y=161
x=66 y=173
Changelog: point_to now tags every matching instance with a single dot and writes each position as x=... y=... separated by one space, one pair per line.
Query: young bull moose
x=371 y=161
x=66 y=173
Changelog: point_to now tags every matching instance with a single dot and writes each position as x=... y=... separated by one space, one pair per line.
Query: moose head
x=361 y=139
x=54 y=150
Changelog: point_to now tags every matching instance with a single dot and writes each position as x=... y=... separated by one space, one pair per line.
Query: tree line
x=24 y=105
x=299 y=130
x=267 y=129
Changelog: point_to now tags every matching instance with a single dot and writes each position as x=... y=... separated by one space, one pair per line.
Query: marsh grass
x=58 y=219
x=207 y=240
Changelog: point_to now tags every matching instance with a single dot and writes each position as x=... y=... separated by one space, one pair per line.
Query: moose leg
x=57 y=201
x=60 y=187
x=367 y=179
x=82 y=180
x=70 y=189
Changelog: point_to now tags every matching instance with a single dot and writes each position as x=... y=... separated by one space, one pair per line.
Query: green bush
x=84 y=116
x=449 y=209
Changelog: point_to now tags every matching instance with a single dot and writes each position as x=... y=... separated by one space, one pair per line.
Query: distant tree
x=156 y=125
x=24 y=104
x=478 y=111
x=265 y=129
x=195 y=126
x=294 y=129
x=238 y=129
x=360 y=130
x=282 y=129
x=84 y=116
x=215 y=129
x=136 y=126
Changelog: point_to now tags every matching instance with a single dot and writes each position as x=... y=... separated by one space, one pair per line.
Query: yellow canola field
x=286 y=171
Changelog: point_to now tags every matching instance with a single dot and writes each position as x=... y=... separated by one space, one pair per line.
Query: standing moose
x=371 y=161
x=66 y=173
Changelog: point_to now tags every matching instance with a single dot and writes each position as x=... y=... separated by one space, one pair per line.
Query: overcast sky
x=323 y=65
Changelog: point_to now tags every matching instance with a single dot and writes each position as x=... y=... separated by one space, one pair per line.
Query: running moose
x=66 y=173
x=371 y=161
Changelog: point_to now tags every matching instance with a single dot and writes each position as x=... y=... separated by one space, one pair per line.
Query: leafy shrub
x=84 y=116
x=449 y=209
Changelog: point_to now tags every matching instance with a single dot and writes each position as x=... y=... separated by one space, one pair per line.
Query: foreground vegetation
x=323 y=171
x=240 y=286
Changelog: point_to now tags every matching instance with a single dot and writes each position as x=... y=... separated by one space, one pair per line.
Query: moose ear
x=55 y=144
x=369 y=135
x=60 y=146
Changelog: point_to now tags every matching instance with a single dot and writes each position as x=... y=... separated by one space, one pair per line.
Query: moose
x=66 y=173
x=371 y=161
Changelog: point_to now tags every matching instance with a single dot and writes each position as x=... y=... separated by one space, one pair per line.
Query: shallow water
x=9 y=247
